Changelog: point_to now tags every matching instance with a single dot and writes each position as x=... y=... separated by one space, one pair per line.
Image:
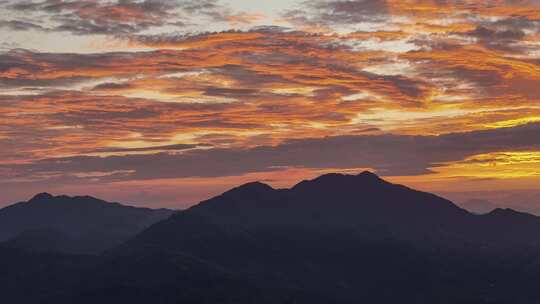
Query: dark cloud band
x=389 y=155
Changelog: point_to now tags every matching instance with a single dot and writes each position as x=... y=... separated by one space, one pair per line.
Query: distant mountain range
x=335 y=239
x=80 y=224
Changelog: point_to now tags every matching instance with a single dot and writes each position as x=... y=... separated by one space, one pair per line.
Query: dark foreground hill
x=80 y=224
x=335 y=239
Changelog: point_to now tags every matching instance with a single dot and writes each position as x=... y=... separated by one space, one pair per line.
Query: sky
x=165 y=103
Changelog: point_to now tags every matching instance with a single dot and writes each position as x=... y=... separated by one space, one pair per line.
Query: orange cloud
x=391 y=69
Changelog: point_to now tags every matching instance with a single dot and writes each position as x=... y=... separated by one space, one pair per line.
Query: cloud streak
x=389 y=155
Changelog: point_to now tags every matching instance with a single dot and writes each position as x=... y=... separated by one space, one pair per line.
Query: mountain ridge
x=358 y=228
x=334 y=239
x=90 y=223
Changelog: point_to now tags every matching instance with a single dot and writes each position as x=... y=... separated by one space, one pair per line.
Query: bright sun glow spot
x=495 y=165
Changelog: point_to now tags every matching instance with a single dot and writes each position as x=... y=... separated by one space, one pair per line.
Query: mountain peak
x=369 y=174
x=253 y=187
x=337 y=180
x=40 y=197
x=507 y=212
x=256 y=185
x=502 y=211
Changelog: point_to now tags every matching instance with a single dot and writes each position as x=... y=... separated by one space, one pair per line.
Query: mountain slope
x=358 y=237
x=364 y=205
x=72 y=224
x=335 y=239
x=47 y=278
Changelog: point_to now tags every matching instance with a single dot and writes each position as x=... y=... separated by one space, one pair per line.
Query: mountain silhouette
x=363 y=205
x=337 y=232
x=80 y=224
x=334 y=239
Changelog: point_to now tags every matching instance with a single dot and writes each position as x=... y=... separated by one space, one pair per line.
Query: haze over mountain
x=335 y=239
x=80 y=224
x=478 y=206
x=485 y=201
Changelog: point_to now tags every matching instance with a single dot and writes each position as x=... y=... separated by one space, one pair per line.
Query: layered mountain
x=353 y=238
x=80 y=224
x=362 y=206
x=334 y=239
